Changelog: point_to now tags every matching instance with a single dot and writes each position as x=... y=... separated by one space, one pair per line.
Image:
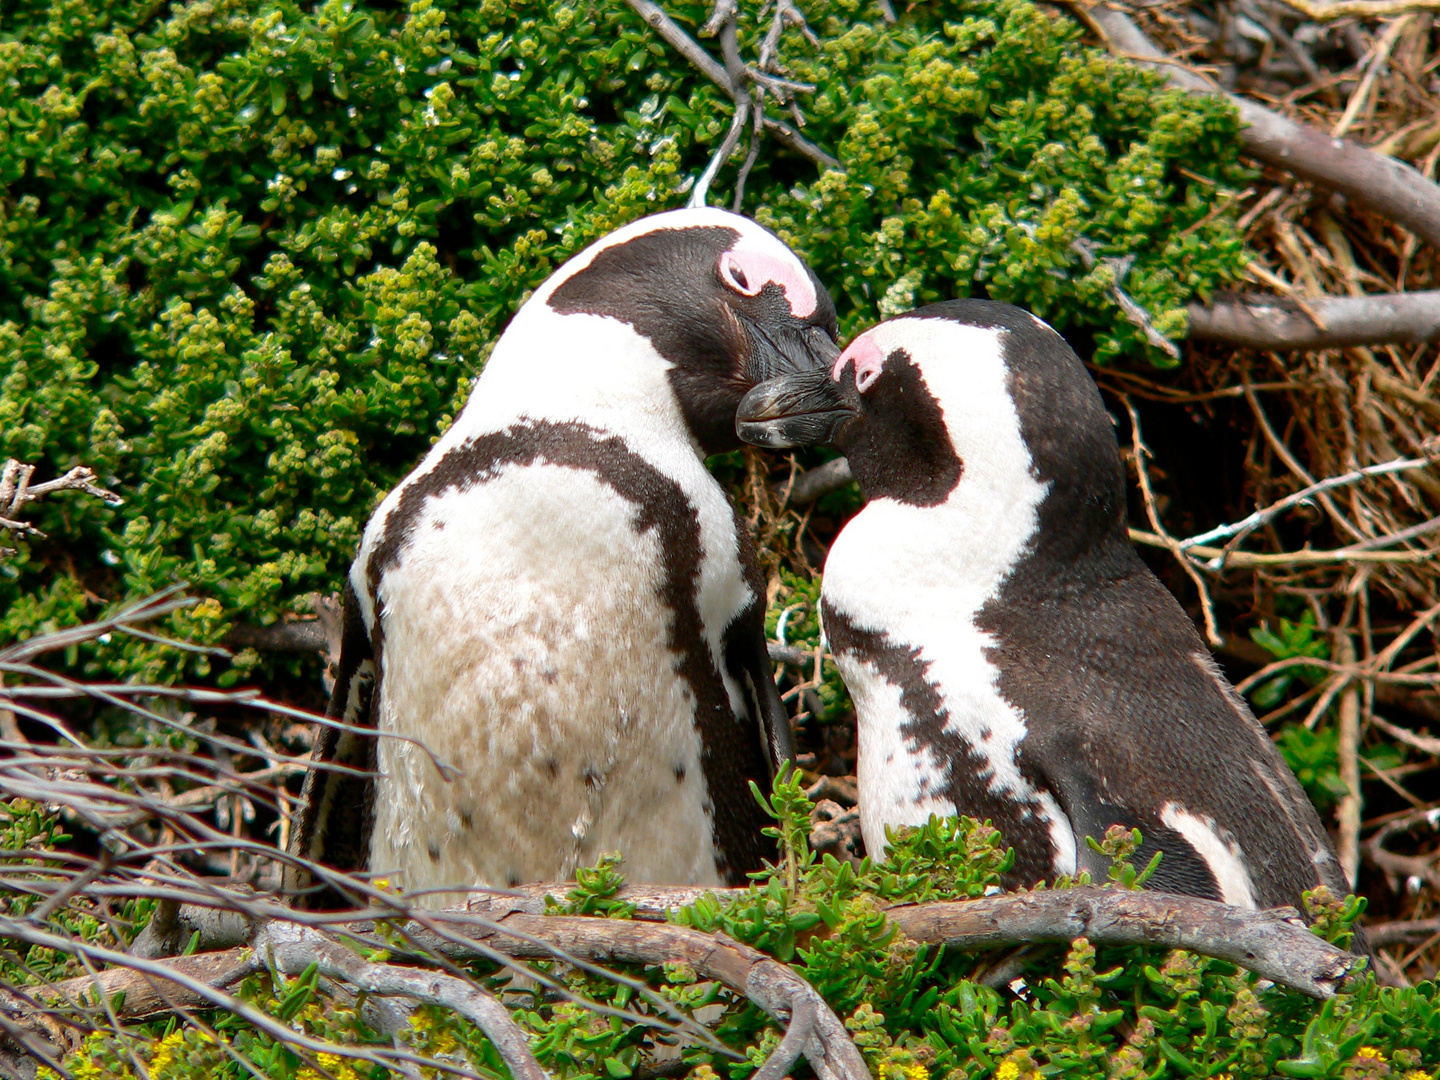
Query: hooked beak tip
x=800 y=409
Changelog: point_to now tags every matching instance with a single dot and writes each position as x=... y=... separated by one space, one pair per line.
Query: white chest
x=525 y=644
x=926 y=609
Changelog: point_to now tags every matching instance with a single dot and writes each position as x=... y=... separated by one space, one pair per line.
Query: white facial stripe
x=1221 y=854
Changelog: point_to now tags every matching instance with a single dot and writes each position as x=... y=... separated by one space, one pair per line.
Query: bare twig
x=708 y=66
x=1347 y=812
x=1216 y=559
x=722 y=154
x=1378 y=58
x=293 y=948
x=681 y=42
x=820 y=481
x=1331 y=10
x=1393 y=933
x=1132 y=311
x=1140 y=453
x=1237 y=531
x=146 y=610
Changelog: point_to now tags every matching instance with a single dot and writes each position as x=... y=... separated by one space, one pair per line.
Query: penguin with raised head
x=1009 y=655
x=554 y=625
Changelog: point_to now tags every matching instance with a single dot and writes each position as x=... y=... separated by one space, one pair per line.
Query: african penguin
x=560 y=604
x=1009 y=655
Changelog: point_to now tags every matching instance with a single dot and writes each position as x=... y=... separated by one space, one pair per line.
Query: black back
x=1125 y=710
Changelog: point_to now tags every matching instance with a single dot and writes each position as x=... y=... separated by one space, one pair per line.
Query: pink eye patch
x=869 y=360
x=748 y=272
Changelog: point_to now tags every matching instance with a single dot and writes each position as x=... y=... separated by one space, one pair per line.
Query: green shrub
x=916 y=1011
x=253 y=252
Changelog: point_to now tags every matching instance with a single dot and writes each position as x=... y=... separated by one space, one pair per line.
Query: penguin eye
x=865 y=378
x=733 y=274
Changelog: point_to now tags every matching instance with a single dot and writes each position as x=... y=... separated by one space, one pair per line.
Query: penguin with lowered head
x=553 y=642
x=1009 y=655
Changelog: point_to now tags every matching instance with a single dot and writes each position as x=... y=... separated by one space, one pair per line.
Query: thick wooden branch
x=1272 y=322
x=298 y=637
x=1273 y=944
x=1389 y=187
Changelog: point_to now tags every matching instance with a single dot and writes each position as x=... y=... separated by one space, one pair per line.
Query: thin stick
x=1348 y=811
x=1141 y=452
x=1237 y=531
x=722 y=155
x=1376 y=63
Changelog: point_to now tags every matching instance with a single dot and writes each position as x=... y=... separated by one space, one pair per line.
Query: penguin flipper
x=336 y=811
x=747 y=661
x=1182 y=869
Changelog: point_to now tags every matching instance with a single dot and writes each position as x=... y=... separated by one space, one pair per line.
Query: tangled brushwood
x=252 y=253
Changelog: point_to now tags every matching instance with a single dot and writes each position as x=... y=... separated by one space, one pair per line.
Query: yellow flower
x=1418 y=1074
x=165 y=1052
x=1008 y=1071
x=916 y=1072
x=1369 y=1052
x=338 y=1067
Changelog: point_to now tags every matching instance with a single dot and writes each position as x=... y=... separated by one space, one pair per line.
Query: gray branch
x=819 y=481
x=292 y=948
x=682 y=42
x=1271 y=322
x=712 y=69
x=1274 y=944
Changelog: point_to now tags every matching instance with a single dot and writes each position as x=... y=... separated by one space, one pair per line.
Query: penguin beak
x=803 y=408
x=777 y=351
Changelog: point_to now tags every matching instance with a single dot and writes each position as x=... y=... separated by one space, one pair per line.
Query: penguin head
x=964 y=392
x=721 y=299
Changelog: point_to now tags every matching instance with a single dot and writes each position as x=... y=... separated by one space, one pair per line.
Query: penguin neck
x=582 y=369
x=1000 y=536
x=897 y=564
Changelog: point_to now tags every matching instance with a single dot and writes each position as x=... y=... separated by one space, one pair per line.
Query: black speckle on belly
x=434 y=850
x=679 y=774
x=552 y=767
x=512 y=879
x=466 y=821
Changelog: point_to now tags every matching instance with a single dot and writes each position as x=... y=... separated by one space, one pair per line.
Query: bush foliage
x=915 y=1011
x=252 y=252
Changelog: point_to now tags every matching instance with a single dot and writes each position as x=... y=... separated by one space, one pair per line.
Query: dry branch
x=1272 y=322
x=1330 y=10
x=1274 y=944
x=16 y=492
x=1390 y=187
